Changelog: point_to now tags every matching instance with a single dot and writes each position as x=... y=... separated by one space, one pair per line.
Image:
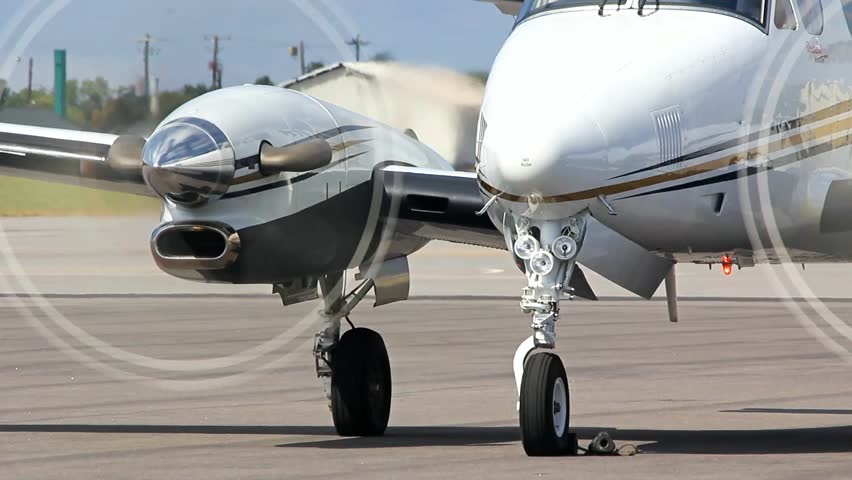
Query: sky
x=102 y=36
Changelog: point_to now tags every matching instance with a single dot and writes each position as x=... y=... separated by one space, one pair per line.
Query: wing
x=88 y=159
x=509 y=7
x=443 y=205
x=438 y=205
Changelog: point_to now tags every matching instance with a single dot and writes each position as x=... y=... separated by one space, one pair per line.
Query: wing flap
x=621 y=261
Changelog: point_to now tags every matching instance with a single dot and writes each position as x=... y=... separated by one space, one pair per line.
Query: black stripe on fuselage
x=819 y=115
x=288 y=181
x=775 y=129
x=749 y=171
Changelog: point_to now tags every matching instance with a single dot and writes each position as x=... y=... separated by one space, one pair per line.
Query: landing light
x=564 y=247
x=525 y=246
x=541 y=263
x=727 y=265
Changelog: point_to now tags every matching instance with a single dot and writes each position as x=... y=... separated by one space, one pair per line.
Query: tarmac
x=115 y=370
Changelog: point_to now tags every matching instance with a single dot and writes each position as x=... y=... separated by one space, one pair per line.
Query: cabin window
x=532 y=7
x=785 y=19
x=811 y=12
x=847 y=12
x=753 y=10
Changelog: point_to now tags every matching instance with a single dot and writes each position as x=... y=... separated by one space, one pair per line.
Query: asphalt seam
x=412 y=298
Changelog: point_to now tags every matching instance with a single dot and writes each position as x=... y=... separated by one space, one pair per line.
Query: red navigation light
x=727 y=265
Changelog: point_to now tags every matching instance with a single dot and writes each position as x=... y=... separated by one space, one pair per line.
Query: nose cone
x=571 y=107
x=533 y=155
x=189 y=161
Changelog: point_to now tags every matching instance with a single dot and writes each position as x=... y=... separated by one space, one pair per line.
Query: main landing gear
x=354 y=368
x=360 y=384
x=548 y=250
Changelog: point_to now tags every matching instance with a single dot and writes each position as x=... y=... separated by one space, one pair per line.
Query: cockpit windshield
x=753 y=10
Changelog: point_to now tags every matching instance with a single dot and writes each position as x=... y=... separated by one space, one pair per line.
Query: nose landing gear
x=548 y=249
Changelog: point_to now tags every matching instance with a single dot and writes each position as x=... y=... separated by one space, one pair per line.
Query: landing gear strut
x=354 y=369
x=548 y=249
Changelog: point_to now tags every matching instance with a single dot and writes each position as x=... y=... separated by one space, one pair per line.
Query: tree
x=91 y=103
x=383 y=56
x=171 y=100
x=264 y=80
x=4 y=92
x=94 y=94
x=481 y=76
x=41 y=99
x=72 y=92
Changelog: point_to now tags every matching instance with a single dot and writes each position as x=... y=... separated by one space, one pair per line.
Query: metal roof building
x=441 y=106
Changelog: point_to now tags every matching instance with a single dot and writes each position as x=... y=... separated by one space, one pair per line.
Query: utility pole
x=302 y=56
x=299 y=51
x=30 y=83
x=357 y=42
x=215 y=65
x=147 y=51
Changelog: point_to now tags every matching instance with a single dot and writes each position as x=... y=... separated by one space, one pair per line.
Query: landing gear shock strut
x=549 y=251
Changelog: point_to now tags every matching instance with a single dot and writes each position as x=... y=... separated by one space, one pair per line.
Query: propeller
x=300 y=157
x=125 y=154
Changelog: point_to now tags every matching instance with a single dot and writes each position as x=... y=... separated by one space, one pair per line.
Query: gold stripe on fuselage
x=796 y=139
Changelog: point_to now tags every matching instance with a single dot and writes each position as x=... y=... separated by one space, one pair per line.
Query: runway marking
x=248 y=296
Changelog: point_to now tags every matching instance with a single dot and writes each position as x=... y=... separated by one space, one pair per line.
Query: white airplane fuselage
x=706 y=133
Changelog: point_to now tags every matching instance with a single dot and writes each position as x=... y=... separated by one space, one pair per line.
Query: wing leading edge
x=442 y=205
x=87 y=159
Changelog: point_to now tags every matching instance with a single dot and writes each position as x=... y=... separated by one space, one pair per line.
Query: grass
x=21 y=197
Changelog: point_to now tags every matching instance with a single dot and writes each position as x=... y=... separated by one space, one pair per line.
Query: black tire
x=360 y=384
x=539 y=434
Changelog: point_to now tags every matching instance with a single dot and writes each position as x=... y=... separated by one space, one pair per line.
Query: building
x=509 y=7
x=440 y=106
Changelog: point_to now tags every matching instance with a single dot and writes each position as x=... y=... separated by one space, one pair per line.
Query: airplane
x=619 y=135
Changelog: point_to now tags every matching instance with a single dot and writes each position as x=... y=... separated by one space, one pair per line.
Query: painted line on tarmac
x=201 y=296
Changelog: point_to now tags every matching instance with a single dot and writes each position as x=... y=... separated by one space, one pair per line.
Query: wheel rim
x=559 y=407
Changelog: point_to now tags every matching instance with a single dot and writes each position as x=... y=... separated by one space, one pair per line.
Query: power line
x=357 y=42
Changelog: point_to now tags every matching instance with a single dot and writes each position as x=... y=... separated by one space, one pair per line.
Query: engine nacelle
x=203 y=147
x=311 y=209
